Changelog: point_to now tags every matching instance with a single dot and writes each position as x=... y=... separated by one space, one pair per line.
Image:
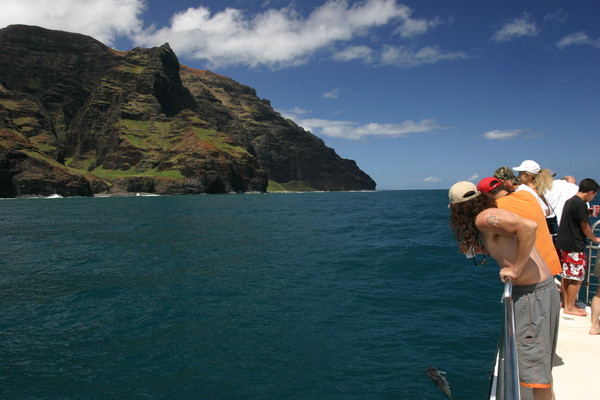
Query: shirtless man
x=480 y=227
x=524 y=205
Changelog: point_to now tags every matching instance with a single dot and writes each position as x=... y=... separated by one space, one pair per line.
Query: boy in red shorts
x=571 y=242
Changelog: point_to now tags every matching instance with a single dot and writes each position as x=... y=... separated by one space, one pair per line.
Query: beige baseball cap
x=462 y=191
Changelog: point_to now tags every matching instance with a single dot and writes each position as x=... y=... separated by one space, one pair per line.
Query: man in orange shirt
x=524 y=205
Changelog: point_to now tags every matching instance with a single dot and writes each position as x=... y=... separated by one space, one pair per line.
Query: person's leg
x=543 y=394
x=570 y=291
x=537 y=316
x=560 y=289
x=595 y=329
x=564 y=285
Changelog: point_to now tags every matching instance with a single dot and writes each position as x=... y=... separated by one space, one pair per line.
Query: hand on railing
x=507 y=273
x=507 y=288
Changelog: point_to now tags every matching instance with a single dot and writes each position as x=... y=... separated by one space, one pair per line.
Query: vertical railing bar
x=511 y=365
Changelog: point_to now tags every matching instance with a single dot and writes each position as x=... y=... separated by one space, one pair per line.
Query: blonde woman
x=539 y=182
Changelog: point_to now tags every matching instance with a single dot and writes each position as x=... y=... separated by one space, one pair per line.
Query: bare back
x=510 y=240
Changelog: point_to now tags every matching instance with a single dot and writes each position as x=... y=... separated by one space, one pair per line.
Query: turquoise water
x=277 y=296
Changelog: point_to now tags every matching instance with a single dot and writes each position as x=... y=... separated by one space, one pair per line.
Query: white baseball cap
x=528 y=166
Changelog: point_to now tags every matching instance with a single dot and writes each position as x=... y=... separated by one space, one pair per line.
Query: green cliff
x=78 y=118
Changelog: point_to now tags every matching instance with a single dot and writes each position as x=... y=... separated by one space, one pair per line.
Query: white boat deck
x=578 y=352
x=577 y=358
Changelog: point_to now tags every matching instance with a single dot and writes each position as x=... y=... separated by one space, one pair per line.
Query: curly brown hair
x=462 y=221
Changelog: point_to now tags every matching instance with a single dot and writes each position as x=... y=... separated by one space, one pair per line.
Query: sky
x=420 y=93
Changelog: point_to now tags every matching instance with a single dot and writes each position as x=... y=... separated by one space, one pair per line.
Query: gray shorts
x=537 y=312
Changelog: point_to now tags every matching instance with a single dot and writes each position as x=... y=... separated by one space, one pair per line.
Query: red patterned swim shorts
x=573 y=264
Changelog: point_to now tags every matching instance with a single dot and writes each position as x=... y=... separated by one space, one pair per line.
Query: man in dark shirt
x=571 y=242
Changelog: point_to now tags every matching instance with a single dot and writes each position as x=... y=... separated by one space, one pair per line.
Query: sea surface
x=256 y=296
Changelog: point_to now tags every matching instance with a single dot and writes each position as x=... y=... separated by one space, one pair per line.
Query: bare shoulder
x=494 y=217
x=496 y=221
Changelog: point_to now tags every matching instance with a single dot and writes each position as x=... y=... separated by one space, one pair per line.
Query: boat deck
x=578 y=353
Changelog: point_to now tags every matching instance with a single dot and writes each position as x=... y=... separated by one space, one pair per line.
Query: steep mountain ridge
x=99 y=121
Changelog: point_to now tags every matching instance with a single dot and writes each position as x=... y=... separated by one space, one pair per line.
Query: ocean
x=345 y=295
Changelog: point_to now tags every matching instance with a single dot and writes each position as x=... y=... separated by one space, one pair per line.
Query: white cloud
x=501 y=135
x=520 y=26
x=298 y=111
x=334 y=94
x=432 y=179
x=275 y=38
x=412 y=27
x=355 y=131
x=473 y=177
x=557 y=17
x=350 y=53
x=403 y=56
x=104 y=20
x=577 y=38
x=407 y=57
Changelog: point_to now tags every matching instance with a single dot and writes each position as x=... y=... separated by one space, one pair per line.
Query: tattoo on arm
x=492 y=220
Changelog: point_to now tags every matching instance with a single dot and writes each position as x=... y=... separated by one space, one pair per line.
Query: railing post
x=505 y=382
x=511 y=366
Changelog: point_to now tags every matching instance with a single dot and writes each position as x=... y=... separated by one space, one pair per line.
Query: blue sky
x=419 y=93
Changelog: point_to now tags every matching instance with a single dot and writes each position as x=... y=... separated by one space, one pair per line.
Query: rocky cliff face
x=78 y=118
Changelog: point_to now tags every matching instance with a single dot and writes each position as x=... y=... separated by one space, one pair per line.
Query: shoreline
x=149 y=194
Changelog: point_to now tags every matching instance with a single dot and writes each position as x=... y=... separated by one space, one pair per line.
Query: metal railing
x=505 y=380
x=593 y=250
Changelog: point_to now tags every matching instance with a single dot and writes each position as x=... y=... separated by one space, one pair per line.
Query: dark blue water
x=278 y=296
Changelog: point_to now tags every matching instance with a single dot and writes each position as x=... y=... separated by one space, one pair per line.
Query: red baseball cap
x=488 y=184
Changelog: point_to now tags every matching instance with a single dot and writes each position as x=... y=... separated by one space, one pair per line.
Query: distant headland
x=78 y=118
